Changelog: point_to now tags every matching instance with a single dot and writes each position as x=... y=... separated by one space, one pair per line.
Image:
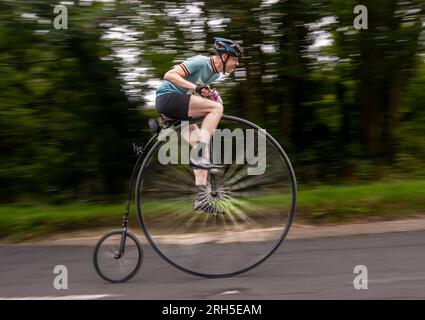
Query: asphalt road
x=320 y=268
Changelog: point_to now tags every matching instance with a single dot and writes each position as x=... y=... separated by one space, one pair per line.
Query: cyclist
x=185 y=93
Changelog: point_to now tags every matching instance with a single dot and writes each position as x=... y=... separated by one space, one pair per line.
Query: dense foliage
x=347 y=104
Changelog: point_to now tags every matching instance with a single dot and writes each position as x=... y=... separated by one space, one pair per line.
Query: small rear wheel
x=118 y=256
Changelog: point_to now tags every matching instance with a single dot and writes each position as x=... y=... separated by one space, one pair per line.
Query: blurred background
x=347 y=105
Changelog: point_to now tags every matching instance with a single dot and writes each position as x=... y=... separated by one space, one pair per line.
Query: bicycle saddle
x=162 y=122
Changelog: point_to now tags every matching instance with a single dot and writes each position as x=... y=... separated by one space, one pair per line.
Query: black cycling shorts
x=174 y=105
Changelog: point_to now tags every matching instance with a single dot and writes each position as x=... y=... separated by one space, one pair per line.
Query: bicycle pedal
x=216 y=170
x=212 y=170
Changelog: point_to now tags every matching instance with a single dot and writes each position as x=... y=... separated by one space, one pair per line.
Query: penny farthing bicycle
x=256 y=190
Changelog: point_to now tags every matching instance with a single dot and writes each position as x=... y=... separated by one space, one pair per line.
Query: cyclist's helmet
x=230 y=47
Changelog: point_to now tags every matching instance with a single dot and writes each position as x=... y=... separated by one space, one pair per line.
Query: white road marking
x=231 y=292
x=74 y=297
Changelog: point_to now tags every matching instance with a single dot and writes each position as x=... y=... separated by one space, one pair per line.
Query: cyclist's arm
x=176 y=77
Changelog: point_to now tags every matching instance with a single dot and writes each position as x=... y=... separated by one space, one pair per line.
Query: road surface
x=319 y=268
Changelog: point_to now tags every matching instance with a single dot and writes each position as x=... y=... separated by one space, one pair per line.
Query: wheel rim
x=112 y=267
x=259 y=209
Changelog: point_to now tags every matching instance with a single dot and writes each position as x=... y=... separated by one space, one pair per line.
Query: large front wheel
x=256 y=190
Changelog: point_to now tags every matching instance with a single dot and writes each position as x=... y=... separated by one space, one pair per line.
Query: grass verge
x=326 y=204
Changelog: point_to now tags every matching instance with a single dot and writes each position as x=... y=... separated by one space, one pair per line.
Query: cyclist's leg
x=212 y=112
x=191 y=135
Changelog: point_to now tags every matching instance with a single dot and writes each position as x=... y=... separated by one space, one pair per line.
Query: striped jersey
x=198 y=70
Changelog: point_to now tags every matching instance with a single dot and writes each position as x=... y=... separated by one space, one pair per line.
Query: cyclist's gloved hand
x=202 y=90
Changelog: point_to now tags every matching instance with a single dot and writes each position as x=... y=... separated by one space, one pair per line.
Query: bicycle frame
x=143 y=155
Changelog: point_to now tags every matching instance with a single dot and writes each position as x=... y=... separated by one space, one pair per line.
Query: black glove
x=199 y=89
